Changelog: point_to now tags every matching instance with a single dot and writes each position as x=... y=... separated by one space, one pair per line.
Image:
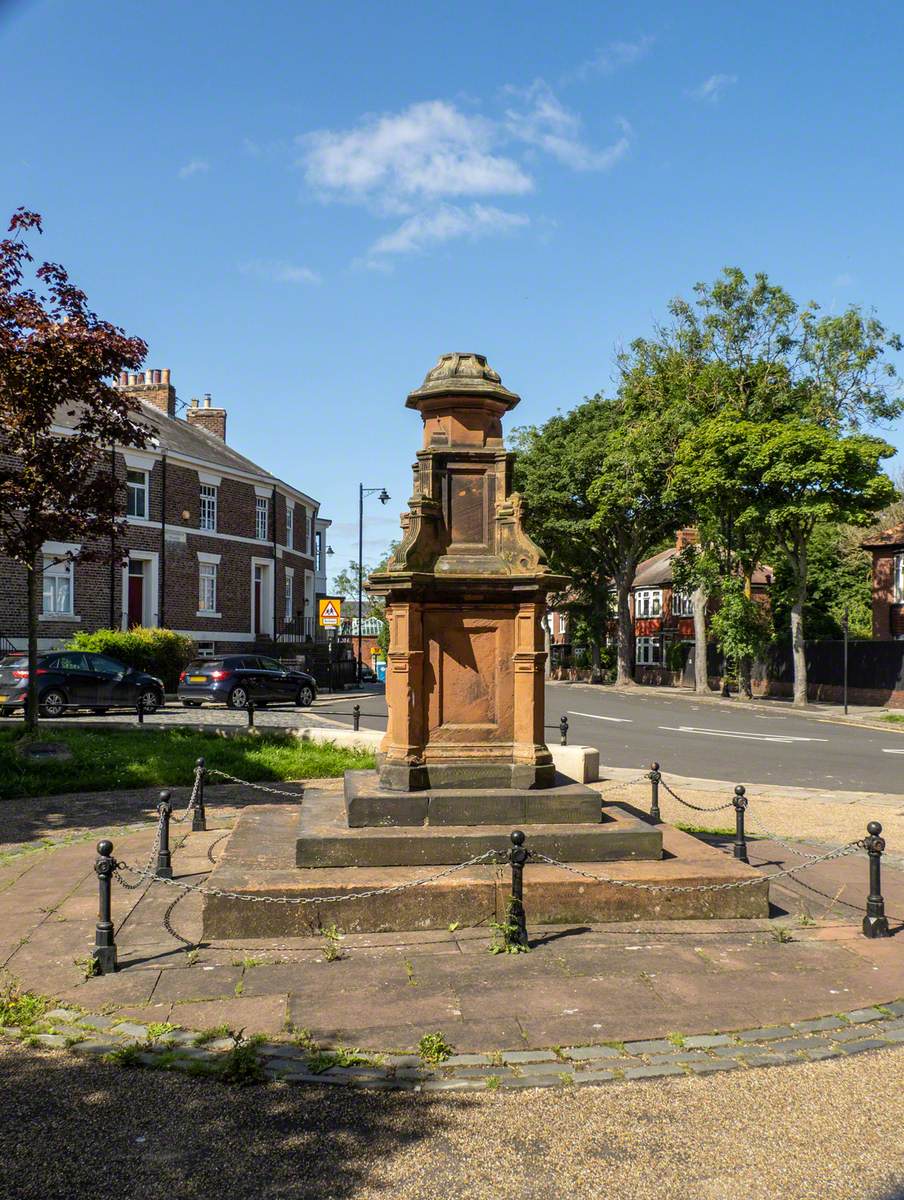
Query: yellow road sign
x=329 y=613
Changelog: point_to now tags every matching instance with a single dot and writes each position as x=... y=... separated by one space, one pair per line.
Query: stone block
x=580 y=763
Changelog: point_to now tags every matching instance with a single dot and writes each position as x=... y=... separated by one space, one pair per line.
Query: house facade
x=216 y=547
x=887 y=549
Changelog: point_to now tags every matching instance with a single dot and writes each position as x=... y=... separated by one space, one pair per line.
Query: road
x=708 y=740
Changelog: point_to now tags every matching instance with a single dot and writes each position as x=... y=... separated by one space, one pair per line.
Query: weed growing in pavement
x=505 y=934
x=323 y=1060
x=677 y=1039
x=21 y=1008
x=241 y=1065
x=248 y=961
x=88 y=965
x=159 y=1029
x=302 y=1038
x=493 y=1082
x=409 y=971
x=453 y=925
x=566 y=1077
x=886 y=1012
x=433 y=1048
x=704 y=829
x=191 y=957
x=332 y=950
x=496 y=1058
x=804 y=919
x=125 y=1056
x=211 y=1035
x=781 y=934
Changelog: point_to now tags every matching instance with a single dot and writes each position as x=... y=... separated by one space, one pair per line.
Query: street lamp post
x=845 y=625
x=384 y=496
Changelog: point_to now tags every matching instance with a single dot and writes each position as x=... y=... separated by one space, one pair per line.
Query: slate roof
x=888 y=537
x=657 y=571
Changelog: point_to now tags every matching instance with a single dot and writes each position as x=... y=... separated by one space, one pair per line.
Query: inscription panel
x=467 y=507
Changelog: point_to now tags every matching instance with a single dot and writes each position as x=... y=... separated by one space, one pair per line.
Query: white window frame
x=648 y=651
x=290 y=525
x=262 y=518
x=207 y=588
x=206 y=649
x=898 y=589
x=289 y=592
x=207 y=507
x=682 y=604
x=55 y=572
x=136 y=490
x=648 y=602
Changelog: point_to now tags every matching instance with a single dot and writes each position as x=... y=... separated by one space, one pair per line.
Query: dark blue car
x=234 y=679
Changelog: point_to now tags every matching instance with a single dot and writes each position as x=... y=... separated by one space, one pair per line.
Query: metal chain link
x=625 y=784
x=399 y=887
x=701 y=887
x=773 y=837
x=259 y=786
x=695 y=807
x=131 y=887
x=196 y=787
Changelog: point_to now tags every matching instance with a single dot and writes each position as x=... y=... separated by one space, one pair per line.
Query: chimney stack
x=685 y=538
x=151 y=387
x=204 y=416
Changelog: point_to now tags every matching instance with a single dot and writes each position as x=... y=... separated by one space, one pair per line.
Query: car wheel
x=305 y=697
x=191 y=703
x=100 y=711
x=149 y=700
x=52 y=704
x=238 y=698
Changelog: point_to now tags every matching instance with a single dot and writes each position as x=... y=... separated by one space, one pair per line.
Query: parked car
x=367 y=674
x=71 y=679
x=234 y=679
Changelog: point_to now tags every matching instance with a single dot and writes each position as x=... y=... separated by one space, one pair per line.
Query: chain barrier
x=192 y=800
x=696 y=807
x=619 y=787
x=258 y=786
x=773 y=837
x=701 y=887
x=148 y=872
x=399 y=887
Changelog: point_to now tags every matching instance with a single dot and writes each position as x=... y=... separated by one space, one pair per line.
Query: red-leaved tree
x=56 y=357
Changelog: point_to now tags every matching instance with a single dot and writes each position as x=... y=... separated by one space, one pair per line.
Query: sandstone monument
x=464 y=759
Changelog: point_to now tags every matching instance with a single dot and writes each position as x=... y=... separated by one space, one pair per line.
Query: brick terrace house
x=887 y=549
x=663 y=615
x=216 y=547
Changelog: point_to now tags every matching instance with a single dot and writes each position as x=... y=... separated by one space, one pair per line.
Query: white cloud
x=615 y=56
x=441 y=224
x=711 y=89
x=550 y=126
x=197 y=166
x=428 y=151
x=279 y=272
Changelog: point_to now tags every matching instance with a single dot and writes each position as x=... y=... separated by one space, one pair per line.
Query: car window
x=270 y=664
x=67 y=662
x=204 y=666
x=104 y=666
x=249 y=663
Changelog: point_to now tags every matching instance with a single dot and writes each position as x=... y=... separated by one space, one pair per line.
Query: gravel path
x=72 y=1129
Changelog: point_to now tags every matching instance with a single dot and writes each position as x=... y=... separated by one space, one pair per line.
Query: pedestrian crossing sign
x=329 y=613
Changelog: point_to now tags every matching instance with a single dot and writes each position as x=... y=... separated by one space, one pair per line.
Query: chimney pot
x=156 y=376
x=166 y=374
x=123 y=378
x=194 y=401
x=207 y=399
x=133 y=378
x=149 y=377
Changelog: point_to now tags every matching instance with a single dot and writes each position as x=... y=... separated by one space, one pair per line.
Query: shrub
x=159 y=651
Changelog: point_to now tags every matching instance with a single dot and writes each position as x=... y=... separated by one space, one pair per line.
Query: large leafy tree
x=57 y=355
x=594 y=484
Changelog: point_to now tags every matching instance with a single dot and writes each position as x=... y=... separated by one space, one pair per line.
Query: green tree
x=740 y=626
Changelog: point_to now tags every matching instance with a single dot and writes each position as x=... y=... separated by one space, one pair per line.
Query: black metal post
x=740 y=842
x=563 y=730
x=360 y=579
x=655 y=776
x=249 y=708
x=164 y=857
x=199 y=815
x=845 y=624
x=875 y=923
x=518 y=856
x=104 y=952
x=140 y=711
x=356 y=717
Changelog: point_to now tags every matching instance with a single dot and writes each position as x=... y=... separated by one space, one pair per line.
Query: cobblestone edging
x=170 y=1048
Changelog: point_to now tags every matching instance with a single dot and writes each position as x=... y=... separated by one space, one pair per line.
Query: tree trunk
x=31 y=699
x=797 y=631
x=625 y=670
x=701 y=675
x=745 y=687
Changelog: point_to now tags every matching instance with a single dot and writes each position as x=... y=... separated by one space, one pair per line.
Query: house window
x=207 y=588
x=57 y=593
x=648 y=651
x=290 y=582
x=262 y=521
x=318 y=549
x=206 y=649
x=648 y=602
x=290 y=526
x=137 y=494
x=899 y=579
x=208 y=507
x=682 y=604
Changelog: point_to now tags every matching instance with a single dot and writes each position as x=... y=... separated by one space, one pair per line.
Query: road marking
x=597 y=717
x=884 y=751
x=787 y=738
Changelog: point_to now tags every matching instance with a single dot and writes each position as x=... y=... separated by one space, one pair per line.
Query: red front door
x=136 y=592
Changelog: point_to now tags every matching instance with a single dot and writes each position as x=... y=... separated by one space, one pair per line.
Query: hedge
x=159 y=651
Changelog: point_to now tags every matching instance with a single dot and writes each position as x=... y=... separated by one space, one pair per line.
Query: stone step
x=325 y=840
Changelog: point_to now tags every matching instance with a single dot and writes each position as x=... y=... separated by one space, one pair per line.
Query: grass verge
x=107 y=760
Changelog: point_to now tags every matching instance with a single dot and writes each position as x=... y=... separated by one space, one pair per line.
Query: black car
x=71 y=679
x=234 y=679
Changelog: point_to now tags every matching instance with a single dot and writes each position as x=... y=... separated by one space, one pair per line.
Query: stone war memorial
x=464 y=761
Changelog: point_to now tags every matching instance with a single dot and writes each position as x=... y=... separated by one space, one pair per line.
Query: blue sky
x=299 y=206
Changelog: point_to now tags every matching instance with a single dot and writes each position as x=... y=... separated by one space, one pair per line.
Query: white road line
x=597 y=717
x=788 y=739
x=884 y=751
